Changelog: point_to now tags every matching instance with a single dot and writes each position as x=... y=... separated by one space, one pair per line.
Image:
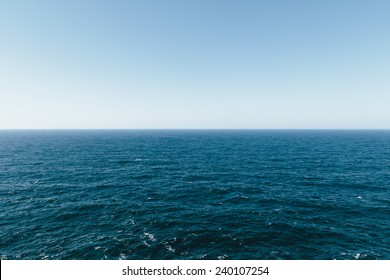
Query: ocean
x=194 y=194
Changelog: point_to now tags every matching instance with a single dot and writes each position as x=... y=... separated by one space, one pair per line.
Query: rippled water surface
x=195 y=194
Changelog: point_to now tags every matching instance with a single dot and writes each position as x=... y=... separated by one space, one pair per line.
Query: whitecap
x=222 y=257
x=170 y=249
x=357 y=256
x=241 y=196
x=150 y=236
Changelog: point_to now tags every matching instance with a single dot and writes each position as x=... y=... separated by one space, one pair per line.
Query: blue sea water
x=195 y=194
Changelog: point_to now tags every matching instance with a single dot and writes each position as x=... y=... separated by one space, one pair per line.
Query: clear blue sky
x=195 y=64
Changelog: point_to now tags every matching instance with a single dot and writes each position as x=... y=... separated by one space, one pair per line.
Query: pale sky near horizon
x=195 y=64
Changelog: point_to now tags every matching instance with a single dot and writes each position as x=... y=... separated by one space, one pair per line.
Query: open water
x=194 y=194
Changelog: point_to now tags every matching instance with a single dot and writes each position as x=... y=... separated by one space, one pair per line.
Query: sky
x=264 y=64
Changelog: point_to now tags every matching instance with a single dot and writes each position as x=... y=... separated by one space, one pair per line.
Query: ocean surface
x=194 y=194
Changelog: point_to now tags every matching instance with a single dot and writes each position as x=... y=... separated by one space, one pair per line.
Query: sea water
x=194 y=194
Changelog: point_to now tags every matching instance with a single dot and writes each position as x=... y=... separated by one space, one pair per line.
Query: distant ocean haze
x=195 y=194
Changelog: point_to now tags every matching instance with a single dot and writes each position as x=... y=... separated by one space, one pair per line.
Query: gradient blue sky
x=195 y=64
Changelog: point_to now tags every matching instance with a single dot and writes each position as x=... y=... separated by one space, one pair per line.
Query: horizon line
x=2 y=129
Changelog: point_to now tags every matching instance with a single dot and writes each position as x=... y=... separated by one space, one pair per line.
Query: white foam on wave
x=170 y=249
x=150 y=236
x=241 y=197
x=357 y=256
x=117 y=239
x=222 y=257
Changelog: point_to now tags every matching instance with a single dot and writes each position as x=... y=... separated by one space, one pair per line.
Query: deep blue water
x=195 y=194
